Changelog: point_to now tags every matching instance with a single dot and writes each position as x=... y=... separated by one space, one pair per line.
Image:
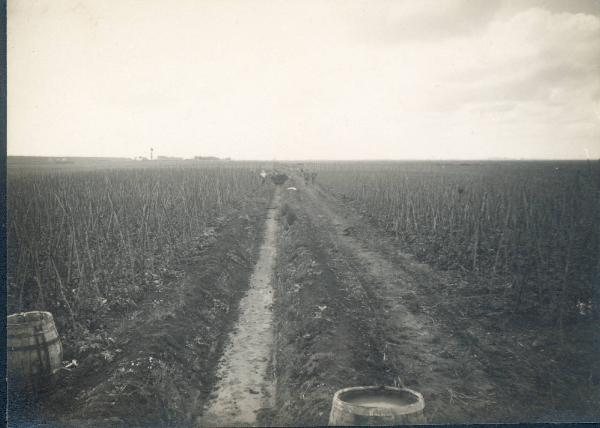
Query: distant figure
x=313 y=175
x=278 y=178
x=263 y=176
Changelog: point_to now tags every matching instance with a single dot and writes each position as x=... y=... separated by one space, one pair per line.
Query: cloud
x=336 y=78
x=401 y=21
x=527 y=79
x=535 y=55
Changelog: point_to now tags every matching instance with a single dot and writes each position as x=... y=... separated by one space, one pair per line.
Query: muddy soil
x=245 y=385
x=326 y=332
x=354 y=309
x=159 y=365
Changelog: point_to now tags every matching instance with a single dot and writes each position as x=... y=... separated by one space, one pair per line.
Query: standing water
x=244 y=386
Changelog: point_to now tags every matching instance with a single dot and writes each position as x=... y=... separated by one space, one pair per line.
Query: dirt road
x=352 y=309
x=245 y=385
x=413 y=349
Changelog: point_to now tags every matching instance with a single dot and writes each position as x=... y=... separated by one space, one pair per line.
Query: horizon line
x=180 y=158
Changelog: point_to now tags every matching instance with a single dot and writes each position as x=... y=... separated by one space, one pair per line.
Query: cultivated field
x=476 y=283
x=531 y=225
x=84 y=243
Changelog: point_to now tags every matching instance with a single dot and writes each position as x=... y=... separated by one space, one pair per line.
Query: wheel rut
x=416 y=346
x=245 y=385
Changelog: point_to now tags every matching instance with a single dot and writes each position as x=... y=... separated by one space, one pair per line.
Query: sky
x=309 y=79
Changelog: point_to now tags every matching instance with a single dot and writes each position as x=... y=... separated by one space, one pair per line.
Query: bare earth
x=244 y=384
x=272 y=316
x=393 y=320
x=412 y=338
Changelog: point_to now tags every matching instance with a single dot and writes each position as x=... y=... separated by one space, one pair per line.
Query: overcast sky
x=338 y=79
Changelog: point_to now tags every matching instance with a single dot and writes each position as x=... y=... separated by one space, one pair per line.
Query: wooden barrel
x=377 y=405
x=34 y=351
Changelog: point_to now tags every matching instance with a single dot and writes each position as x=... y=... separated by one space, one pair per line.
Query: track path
x=417 y=347
x=244 y=385
x=427 y=358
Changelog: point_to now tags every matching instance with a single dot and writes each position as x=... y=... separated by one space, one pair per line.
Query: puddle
x=380 y=402
x=245 y=386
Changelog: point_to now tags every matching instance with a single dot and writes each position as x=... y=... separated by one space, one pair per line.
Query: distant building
x=63 y=160
x=168 y=158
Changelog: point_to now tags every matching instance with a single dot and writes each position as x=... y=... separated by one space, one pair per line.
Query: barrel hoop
x=29 y=334
x=33 y=347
